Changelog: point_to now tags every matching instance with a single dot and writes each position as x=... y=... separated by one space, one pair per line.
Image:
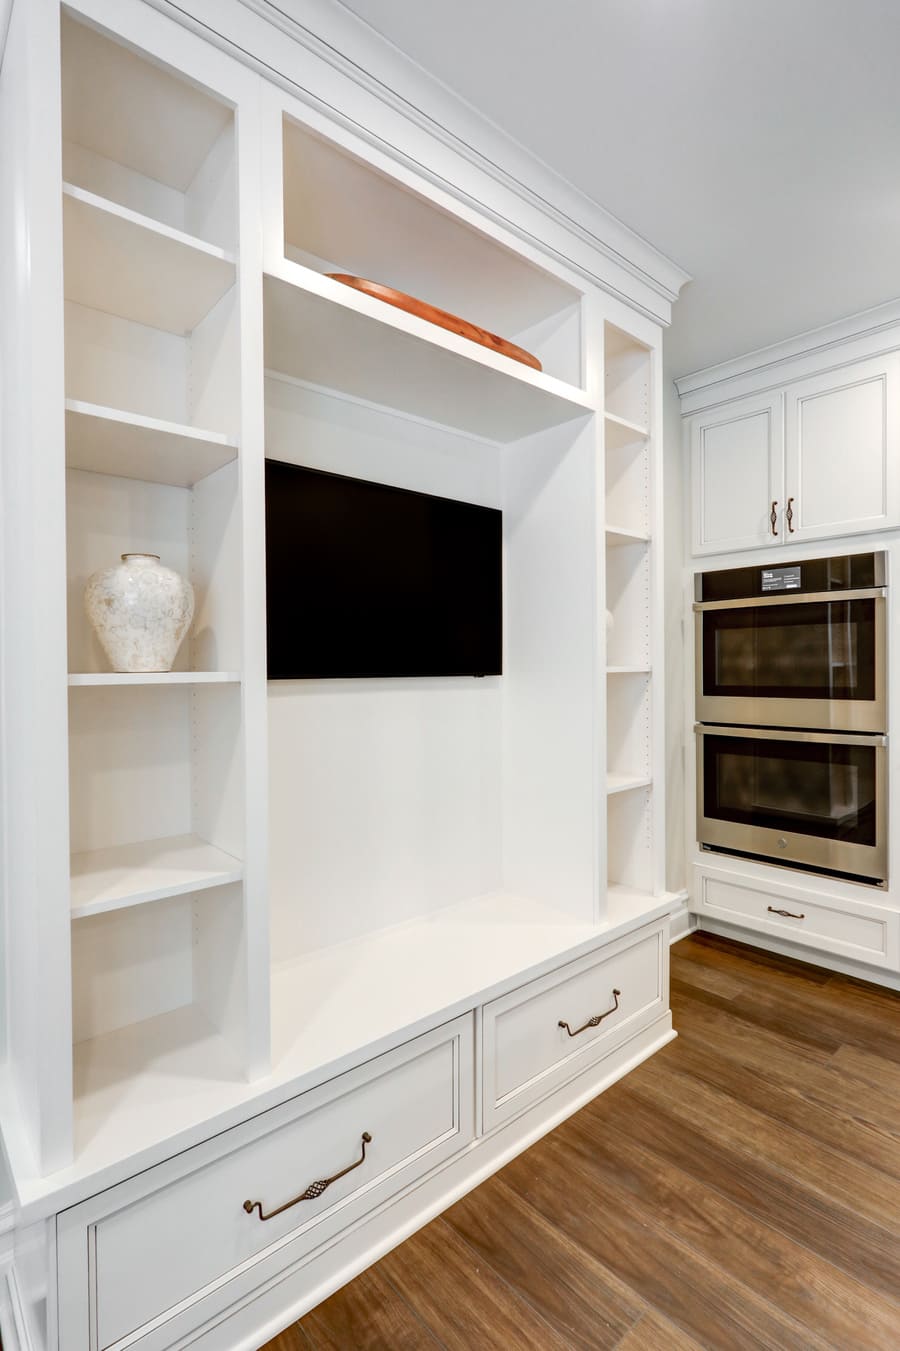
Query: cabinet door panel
x=842 y=458
x=736 y=460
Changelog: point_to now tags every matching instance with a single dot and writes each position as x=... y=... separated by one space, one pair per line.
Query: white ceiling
x=755 y=142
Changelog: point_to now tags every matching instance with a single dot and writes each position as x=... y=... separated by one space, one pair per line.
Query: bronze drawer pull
x=314 y=1190
x=790 y=515
x=788 y=914
x=773 y=517
x=592 y=1022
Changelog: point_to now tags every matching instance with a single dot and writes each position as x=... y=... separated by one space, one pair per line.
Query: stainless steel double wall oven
x=791 y=707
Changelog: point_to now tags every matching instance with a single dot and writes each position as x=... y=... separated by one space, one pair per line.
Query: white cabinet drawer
x=139 y=1258
x=858 y=929
x=527 y=1053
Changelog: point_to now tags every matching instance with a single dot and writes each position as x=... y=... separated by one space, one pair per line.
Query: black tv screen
x=366 y=580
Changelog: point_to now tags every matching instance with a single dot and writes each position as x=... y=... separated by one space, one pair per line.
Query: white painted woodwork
x=859 y=928
x=737 y=473
x=626 y=380
x=150 y=870
x=126 y=264
x=98 y=678
x=329 y=335
x=624 y=783
x=417 y=1105
x=629 y=727
x=434 y=845
x=526 y=1053
x=617 y=535
x=134 y=112
x=842 y=450
x=35 y=1021
x=109 y=441
x=463 y=270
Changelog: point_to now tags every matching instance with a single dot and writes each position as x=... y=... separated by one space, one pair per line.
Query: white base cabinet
x=161 y=1258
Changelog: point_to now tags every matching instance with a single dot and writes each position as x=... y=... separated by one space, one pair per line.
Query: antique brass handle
x=773 y=517
x=592 y=1022
x=314 y=1190
x=788 y=914
x=789 y=513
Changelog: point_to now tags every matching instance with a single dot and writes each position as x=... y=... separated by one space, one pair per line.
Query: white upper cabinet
x=737 y=472
x=842 y=452
x=819 y=459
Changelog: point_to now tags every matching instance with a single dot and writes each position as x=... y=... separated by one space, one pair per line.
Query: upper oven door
x=794 y=661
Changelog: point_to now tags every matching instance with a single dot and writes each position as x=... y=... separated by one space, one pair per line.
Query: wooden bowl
x=401 y=301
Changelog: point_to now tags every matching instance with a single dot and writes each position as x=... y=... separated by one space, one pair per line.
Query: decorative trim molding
x=353 y=50
x=681 y=921
x=813 y=957
x=14 y=1331
x=867 y=323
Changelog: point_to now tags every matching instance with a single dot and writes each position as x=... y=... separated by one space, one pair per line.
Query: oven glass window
x=802 y=787
x=815 y=650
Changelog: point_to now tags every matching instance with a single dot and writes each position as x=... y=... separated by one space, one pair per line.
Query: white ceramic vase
x=140 y=611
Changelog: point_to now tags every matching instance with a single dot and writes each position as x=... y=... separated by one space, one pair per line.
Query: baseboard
x=14 y=1333
x=681 y=921
x=813 y=956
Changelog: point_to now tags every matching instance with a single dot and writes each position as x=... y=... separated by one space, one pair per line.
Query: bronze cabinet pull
x=592 y=1022
x=314 y=1190
x=789 y=514
x=773 y=517
x=788 y=914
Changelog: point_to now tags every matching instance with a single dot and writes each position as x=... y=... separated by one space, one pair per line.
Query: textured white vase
x=140 y=611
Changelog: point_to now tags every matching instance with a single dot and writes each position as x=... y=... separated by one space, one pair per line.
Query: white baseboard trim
x=681 y=921
x=814 y=957
x=14 y=1333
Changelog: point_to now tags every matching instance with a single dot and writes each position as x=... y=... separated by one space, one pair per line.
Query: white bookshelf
x=405 y=849
x=633 y=712
x=151 y=870
x=327 y=334
x=110 y=441
x=126 y=264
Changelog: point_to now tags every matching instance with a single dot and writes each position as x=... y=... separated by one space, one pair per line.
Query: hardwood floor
x=741 y=1189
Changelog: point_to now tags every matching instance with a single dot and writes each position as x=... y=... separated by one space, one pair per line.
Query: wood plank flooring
x=739 y=1190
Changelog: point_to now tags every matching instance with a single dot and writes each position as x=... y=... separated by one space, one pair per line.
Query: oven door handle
x=791 y=598
x=771 y=734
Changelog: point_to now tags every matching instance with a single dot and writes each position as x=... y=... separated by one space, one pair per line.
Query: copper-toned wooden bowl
x=401 y=301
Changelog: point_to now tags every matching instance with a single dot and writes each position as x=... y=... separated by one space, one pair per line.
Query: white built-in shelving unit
x=404 y=849
x=634 y=780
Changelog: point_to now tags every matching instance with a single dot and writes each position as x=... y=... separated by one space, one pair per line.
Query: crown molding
x=586 y=238
x=815 y=342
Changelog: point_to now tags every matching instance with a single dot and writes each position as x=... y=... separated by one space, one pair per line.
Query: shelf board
x=326 y=334
x=625 y=783
x=151 y=870
x=80 y=679
x=620 y=432
x=617 y=536
x=129 y=445
x=628 y=670
x=123 y=263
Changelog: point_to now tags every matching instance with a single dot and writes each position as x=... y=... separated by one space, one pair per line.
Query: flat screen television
x=365 y=580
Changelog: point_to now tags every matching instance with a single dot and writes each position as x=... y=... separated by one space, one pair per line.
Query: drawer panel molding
x=540 y=1035
x=847 y=928
x=290 y=1180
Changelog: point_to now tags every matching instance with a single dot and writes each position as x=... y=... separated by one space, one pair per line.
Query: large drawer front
x=132 y=1257
x=527 y=1054
x=857 y=929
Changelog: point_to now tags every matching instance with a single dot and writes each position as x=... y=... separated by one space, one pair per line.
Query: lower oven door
x=817 y=799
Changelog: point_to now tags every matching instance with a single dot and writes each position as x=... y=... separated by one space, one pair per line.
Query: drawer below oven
x=603 y=998
x=855 y=929
x=135 y=1259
